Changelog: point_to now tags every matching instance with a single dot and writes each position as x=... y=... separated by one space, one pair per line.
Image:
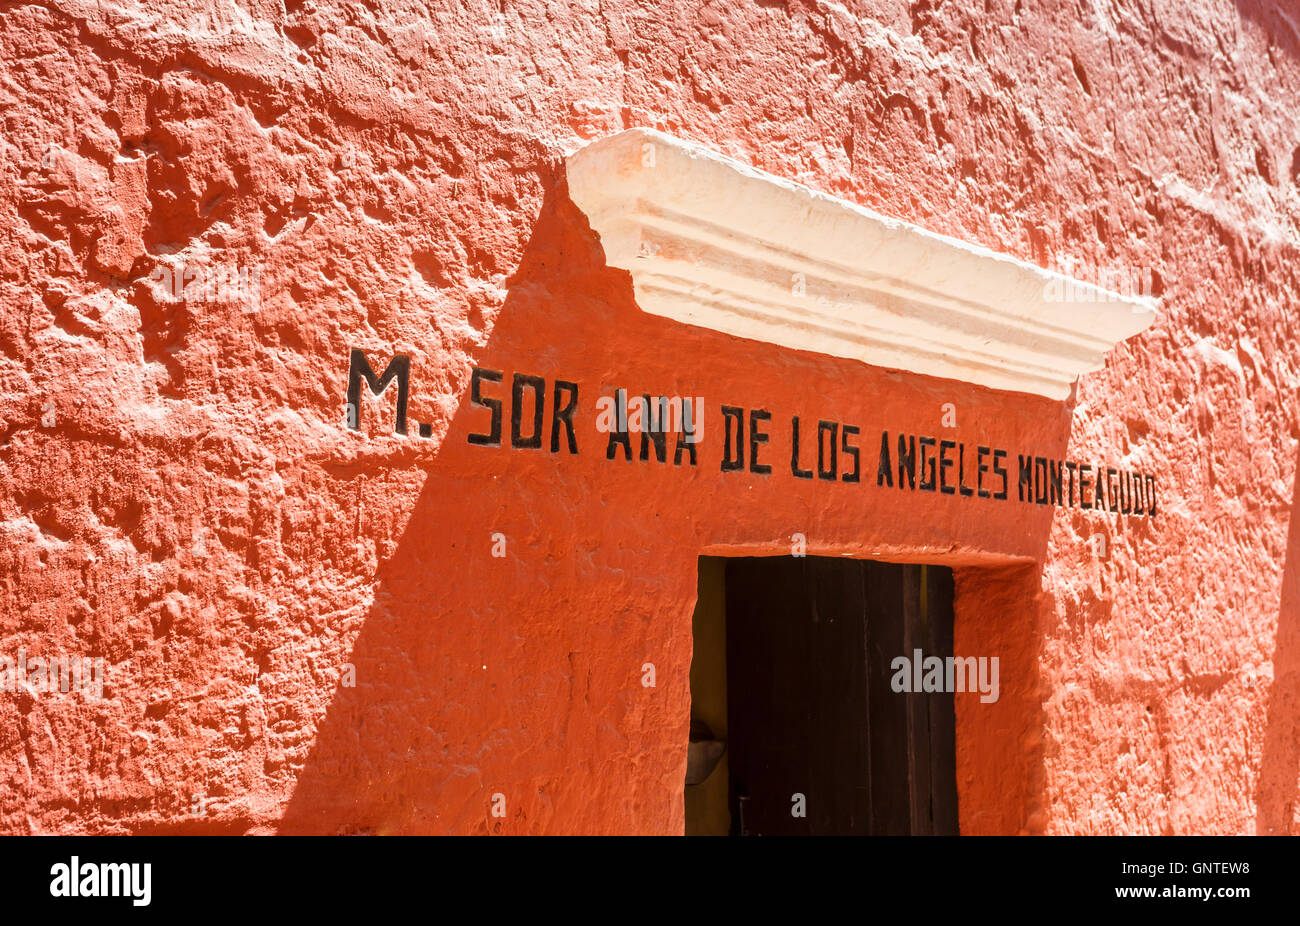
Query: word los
x=107 y=879
x=951 y=674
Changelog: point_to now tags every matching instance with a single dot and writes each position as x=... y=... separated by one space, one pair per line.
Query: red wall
x=179 y=495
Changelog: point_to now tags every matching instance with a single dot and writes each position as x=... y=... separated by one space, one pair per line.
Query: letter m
x=120 y=875
x=1026 y=483
x=398 y=368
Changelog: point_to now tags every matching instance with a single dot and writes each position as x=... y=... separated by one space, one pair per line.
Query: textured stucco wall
x=178 y=494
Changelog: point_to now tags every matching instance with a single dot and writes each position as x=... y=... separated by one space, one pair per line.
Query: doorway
x=796 y=726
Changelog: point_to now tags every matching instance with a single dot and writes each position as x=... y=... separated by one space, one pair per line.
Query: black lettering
x=1055 y=473
x=756 y=438
x=1111 y=492
x=851 y=450
x=944 y=464
x=1025 y=485
x=476 y=380
x=962 y=488
x=907 y=460
x=1085 y=483
x=684 y=443
x=655 y=429
x=831 y=428
x=618 y=435
x=689 y=426
x=1070 y=468
x=564 y=415
x=1000 y=471
x=981 y=469
x=398 y=368
x=927 y=477
x=538 y=387
x=686 y=439
x=794 y=451
x=884 y=468
x=730 y=464
x=1040 y=481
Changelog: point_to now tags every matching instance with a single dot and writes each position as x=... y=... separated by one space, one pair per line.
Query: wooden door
x=818 y=742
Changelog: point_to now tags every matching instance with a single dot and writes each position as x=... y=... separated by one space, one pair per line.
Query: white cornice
x=712 y=242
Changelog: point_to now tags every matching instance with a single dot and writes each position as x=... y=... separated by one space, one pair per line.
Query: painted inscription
x=544 y=415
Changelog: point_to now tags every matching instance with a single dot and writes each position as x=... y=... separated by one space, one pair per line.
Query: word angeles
x=953 y=674
x=543 y=415
x=58 y=673
x=107 y=879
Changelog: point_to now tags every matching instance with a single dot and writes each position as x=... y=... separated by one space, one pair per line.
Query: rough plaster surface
x=178 y=494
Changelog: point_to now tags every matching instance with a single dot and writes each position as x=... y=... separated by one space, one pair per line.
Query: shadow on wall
x=512 y=683
x=1279 y=765
x=515 y=684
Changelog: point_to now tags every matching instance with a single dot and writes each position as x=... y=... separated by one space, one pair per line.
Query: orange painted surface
x=195 y=512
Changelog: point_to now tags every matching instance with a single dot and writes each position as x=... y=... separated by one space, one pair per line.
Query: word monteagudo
x=825 y=450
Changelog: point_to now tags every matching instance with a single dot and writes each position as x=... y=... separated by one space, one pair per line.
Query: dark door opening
x=791 y=684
